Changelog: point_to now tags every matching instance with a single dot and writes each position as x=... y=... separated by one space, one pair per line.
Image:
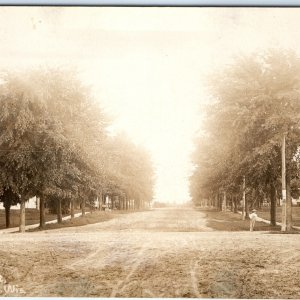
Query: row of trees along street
x=254 y=110
x=54 y=144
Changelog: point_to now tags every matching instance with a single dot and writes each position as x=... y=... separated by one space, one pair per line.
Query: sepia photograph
x=150 y=152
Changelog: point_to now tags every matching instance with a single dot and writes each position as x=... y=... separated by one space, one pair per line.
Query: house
x=31 y=203
x=295 y=202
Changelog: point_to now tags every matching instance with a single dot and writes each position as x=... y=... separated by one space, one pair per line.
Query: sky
x=147 y=67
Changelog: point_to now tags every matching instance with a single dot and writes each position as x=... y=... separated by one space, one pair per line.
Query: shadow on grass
x=293 y=231
x=32 y=217
x=91 y=218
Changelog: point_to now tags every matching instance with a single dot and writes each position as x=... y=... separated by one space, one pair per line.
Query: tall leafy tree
x=50 y=134
x=130 y=170
x=255 y=101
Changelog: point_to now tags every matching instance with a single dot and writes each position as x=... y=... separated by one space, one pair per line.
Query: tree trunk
x=235 y=204
x=91 y=207
x=112 y=202
x=244 y=199
x=59 y=212
x=7 y=216
x=283 y=183
x=42 y=212
x=72 y=209
x=247 y=208
x=231 y=203
x=22 y=216
x=273 y=204
x=83 y=208
x=259 y=202
x=100 y=201
x=121 y=202
x=224 y=202
x=288 y=202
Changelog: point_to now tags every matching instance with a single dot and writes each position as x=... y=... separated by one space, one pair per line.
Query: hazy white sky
x=147 y=66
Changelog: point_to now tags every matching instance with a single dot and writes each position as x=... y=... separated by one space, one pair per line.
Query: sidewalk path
x=268 y=222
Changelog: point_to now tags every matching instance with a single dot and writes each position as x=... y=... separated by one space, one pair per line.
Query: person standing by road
x=253 y=217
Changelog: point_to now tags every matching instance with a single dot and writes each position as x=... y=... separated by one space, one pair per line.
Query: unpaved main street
x=159 y=253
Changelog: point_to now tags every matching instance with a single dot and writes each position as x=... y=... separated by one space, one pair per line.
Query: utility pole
x=283 y=181
x=244 y=198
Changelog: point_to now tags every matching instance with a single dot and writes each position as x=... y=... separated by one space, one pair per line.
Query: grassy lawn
x=265 y=214
x=229 y=221
x=90 y=218
x=32 y=217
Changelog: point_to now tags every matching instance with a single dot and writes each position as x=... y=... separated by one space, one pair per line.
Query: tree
x=255 y=101
x=54 y=145
x=129 y=170
x=9 y=198
x=22 y=122
x=49 y=131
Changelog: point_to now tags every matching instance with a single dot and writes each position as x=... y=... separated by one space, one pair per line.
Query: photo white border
x=181 y=3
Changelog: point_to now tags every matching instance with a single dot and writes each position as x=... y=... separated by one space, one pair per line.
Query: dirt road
x=159 y=253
